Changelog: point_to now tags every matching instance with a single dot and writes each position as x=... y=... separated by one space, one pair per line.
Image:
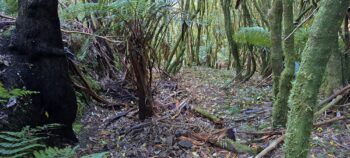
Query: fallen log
x=207 y=115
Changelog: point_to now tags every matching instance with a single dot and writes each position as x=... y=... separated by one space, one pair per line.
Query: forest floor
x=177 y=131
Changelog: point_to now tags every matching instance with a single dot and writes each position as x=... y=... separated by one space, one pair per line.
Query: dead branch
x=271 y=147
x=118 y=116
x=328 y=106
x=274 y=144
x=318 y=124
x=340 y=92
x=7 y=17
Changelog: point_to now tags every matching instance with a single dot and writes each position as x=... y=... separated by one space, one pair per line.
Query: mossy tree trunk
x=333 y=75
x=280 y=108
x=276 y=41
x=226 y=5
x=323 y=39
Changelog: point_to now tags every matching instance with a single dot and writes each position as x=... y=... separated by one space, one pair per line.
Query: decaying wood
x=207 y=115
x=7 y=17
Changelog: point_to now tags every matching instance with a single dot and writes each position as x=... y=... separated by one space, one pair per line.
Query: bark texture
x=280 y=107
x=276 y=41
x=323 y=38
x=38 y=39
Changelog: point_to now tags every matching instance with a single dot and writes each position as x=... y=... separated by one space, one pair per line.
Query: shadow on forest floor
x=246 y=107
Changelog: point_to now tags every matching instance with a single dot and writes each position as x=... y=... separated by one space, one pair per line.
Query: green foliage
x=68 y=152
x=300 y=38
x=7 y=94
x=256 y=36
x=9 y=6
x=22 y=143
x=122 y=9
x=29 y=143
x=54 y=152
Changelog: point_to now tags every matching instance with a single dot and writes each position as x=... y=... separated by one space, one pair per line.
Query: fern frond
x=256 y=36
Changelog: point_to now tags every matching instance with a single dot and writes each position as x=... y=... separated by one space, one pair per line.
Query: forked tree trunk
x=323 y=39
x=38 y=37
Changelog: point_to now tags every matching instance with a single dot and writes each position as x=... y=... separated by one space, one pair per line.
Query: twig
x=261 y=133
x=118 y=116
x=304 y=21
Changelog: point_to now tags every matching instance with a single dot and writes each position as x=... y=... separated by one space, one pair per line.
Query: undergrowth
x=29 y=143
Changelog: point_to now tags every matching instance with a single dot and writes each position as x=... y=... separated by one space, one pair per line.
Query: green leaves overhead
x=123 y=9
x=256 y=36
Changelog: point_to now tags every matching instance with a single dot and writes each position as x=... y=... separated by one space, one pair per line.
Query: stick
x=7 y=17
x=334 y=95
x=272 y=146
x=329 y=105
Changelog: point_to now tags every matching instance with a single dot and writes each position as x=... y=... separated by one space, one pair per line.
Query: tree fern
x=256 y=36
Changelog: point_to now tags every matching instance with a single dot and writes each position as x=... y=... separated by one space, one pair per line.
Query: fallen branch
x=7 y=17
x=340 y=92
x=207 y=115
x=274 y=144
x=118 y=116
x=318 y=124
x=328 y=106
x=271 y=147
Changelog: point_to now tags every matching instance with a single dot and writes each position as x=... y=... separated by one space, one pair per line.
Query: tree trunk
x=280 y=108
x=276 y=41
x=303 y=99
x=229 y=33
x=38 y=37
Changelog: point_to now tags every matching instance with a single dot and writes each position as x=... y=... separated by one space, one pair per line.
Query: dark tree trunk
x=38 y=38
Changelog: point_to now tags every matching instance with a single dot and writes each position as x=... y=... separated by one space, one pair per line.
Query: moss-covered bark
x=323 y=38
x=280 y=108
x=333 y=75
x=225 y=4
x=276 y=41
